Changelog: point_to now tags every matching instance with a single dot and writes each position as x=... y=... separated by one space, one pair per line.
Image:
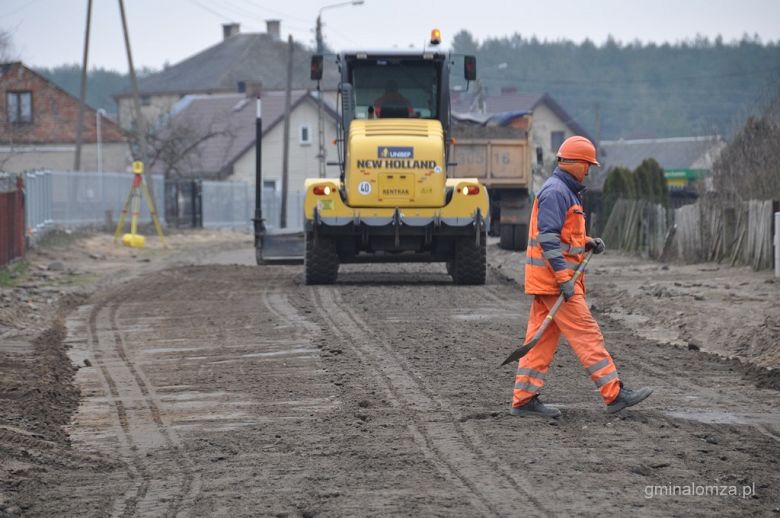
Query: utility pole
x=140 y=122
x=286 y=142
x=83 y=92
x=321 y=152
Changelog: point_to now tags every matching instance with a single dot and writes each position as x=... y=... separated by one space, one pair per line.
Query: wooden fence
x=708 y=230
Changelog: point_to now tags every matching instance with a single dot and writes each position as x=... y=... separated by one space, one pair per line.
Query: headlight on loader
x=470 y=190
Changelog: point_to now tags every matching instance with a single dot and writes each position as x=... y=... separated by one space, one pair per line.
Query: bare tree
x=6 y=47
x=749 y=167
x=177 y=150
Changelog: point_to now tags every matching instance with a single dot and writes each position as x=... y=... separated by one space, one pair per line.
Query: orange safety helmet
x=578 y=148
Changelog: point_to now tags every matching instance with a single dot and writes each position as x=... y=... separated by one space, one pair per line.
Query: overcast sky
x=51 y=32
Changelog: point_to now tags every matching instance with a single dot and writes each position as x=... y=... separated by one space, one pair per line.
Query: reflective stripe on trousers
x=575 y=322
x=524 y=379
x=605 y=377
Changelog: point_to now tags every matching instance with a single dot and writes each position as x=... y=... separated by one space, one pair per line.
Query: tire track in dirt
x=136 y=407
x=136 y=468
x=444 y=464
x=456 y=449
x=190 y=484
x=473 y=438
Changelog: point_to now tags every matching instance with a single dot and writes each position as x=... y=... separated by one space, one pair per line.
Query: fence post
x=777 y=244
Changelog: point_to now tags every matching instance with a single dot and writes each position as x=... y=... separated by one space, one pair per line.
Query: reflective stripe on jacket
x=556 y=236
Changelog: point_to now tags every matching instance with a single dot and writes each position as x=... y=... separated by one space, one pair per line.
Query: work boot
x=535 y=407
x=627 y=398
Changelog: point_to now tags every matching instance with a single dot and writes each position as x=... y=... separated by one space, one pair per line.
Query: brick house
x=38 y=127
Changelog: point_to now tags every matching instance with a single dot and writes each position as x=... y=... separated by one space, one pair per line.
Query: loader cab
x=391 y=86
x=398 y=86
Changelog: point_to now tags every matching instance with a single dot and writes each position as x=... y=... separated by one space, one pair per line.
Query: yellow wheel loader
x=394 y=201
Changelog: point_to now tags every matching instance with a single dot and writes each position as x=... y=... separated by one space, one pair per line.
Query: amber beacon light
x=435 y=37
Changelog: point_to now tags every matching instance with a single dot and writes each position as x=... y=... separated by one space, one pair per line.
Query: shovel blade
x=519 y=352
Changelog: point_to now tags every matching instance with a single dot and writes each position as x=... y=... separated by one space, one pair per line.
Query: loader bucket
x=280 y=247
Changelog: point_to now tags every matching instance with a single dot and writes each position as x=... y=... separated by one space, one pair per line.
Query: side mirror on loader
x=316 y=67
x=470 y=68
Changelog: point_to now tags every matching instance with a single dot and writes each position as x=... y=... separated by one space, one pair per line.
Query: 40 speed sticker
x=364 y=188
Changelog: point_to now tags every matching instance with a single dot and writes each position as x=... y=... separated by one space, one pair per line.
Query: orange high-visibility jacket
x=556 y=236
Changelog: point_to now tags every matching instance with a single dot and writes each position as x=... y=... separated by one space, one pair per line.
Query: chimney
x=508 y=90
x=230 y=29
x=274 y=29
x=250 y=88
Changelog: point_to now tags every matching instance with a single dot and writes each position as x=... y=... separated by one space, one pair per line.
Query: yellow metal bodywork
x=413 y=181
x=395 y=163
x=331 y=205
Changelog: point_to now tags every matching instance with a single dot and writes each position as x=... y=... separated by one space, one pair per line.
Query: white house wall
x=544 y=123
x=153 y=109
x=60 y=157
x=303 y=158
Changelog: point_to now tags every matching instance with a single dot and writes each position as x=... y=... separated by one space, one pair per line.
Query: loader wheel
x=320 y=260
x=470 y=263
x=507 y=237
x=521 y=237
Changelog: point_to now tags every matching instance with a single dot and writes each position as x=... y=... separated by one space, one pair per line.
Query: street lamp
x=320 y=106
x=320 y=43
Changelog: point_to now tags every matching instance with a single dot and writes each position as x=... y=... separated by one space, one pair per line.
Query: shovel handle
x=523 y=350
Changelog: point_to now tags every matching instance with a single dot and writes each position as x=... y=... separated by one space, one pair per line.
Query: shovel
x=522 y=351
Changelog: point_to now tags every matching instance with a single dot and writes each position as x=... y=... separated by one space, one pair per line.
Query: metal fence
x=232 y=205
x=72 y=199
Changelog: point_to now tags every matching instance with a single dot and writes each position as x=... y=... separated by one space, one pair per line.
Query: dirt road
x=234 y=390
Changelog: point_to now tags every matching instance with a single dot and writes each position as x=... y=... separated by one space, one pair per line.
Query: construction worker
x=393 y=103
x=557 y=243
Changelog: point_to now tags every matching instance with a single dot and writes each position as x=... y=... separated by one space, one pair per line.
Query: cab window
x=387 y=88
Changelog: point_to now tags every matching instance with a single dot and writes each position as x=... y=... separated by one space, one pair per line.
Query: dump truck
x=501 y=158
x=395 y=200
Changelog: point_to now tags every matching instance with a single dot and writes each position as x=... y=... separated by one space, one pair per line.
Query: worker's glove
x=596 y=244
x=567 y=289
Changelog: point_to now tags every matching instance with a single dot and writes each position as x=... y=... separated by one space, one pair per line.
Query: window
x=556 y=139
x=304 y=135
x=19 y=107
x=397 y=87
x=269 y=185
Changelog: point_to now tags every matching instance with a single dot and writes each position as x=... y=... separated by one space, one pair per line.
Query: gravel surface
x=206 y=388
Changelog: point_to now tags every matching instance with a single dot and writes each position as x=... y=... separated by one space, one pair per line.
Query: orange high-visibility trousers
x=574 y=320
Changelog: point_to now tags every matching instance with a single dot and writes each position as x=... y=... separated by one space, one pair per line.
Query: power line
x=210 y=10
x=253 y=4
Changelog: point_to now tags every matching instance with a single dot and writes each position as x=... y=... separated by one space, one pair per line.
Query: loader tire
x=470 y=262
x=521 y=237
x=320 y=261
x=507 y=236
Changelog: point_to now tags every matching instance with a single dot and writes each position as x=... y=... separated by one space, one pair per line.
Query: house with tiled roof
x=38 y=126
x=212 y=137
x=550 y=123
x=685 y=160
x=239 y=63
